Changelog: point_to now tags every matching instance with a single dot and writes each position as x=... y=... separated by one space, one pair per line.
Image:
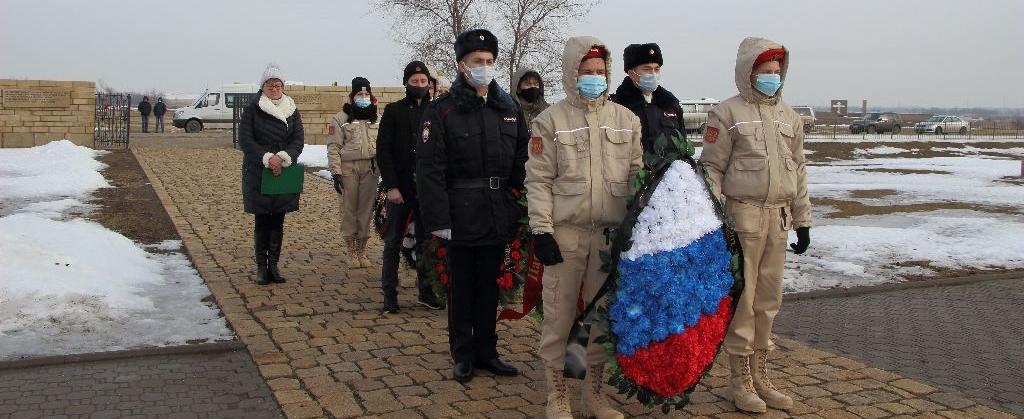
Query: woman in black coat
x=270 y=135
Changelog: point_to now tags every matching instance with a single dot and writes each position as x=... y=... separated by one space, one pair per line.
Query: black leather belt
x=492 y=182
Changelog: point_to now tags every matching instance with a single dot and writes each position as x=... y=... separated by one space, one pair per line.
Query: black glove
x=803 y=239
x=337 y=184
x=546 y=249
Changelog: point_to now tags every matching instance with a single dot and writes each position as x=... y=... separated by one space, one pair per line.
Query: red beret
x=777 y=54
x=596 y=52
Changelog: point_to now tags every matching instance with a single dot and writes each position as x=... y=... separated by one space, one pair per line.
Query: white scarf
x=284 y=107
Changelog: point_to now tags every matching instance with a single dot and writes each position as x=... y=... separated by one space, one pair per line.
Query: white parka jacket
x=754 y=145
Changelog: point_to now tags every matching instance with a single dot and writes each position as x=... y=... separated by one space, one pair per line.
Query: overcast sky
x=927 y=53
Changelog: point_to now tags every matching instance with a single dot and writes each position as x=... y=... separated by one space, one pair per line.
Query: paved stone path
x=967 y=338
x=325 y=352
x=216 y=385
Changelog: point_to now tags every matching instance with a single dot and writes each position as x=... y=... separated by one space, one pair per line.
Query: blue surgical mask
x=768 y=84
x=481 y=76
x=362 y=102
x=649 y=82
x=591 y=86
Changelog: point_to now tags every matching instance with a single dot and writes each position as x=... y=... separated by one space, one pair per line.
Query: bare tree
x=533 y=34
x=427 y=28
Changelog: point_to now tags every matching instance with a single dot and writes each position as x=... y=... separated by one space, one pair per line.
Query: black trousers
x=268 y=231
x=393 y=236
x=473 y=301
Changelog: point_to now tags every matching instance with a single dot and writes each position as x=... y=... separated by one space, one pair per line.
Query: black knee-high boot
x=261 y=244
x=274 y=255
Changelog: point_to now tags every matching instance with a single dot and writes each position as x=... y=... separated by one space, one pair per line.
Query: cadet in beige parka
x=351 y=148
x=583 y=151
x=754 y=154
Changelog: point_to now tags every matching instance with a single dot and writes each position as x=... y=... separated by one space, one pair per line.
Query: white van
x=695 y=112
x=212 y=109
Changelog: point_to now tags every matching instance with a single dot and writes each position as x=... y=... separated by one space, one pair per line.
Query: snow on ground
x=73 y=286
x=881 y=150
x=862 y=250
x=313 y=155
x=957 y=179
x=873 y=249
x=971 y=150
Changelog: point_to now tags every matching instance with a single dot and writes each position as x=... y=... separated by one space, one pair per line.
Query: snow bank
x=57 y=169
x=313 y=155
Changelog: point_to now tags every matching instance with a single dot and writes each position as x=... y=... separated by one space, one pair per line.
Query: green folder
x=289 y=182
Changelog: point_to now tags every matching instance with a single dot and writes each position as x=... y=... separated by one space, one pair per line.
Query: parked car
x=695 y=113
x=943 y=124
x=212 y=109
x=807 y=116
x=877 y=122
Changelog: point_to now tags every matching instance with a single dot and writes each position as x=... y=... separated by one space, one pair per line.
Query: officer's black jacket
x=463 y=139
x=396 y=144
x=662 y=115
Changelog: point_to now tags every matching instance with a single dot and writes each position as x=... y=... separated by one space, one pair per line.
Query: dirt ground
x=828 y=151
x=131 y=207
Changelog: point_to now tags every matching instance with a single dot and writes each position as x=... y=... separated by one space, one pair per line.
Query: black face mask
x=530 y=94
x=416 y=92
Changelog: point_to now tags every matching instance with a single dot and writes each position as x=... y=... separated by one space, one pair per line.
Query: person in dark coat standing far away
x=270 y=135
x=471 y=156
x=396 y=158
x=159 y=110
x=145 y=108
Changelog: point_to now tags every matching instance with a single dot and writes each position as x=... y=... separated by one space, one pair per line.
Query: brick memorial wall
x=35 y=112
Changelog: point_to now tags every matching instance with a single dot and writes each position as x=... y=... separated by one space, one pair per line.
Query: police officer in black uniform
x=472 y=155
x=642 y=93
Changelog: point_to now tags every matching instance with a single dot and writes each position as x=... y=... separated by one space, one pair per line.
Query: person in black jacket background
x=472 y=155
x=642 y=93
x=396 y=159
x=159 y=110
x=145 y=108
x=270 y=135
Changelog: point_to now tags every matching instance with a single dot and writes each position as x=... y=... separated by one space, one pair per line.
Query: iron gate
x=113 y=113
x=237 y=102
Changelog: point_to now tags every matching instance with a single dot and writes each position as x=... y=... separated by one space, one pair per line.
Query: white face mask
x=481 y=76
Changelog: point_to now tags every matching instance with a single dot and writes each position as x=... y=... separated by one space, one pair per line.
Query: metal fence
x=237 y=102
x=961 y=130
x=113 y=121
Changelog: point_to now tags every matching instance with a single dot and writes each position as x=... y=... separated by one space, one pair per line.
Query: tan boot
x=771 y=396
x=558 y=398
x=364 y=262
x=349 y=256
x=594 y=403
x=741 y=384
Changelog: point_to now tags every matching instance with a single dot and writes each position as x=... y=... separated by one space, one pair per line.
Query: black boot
x=261 y=244
x=274 y=255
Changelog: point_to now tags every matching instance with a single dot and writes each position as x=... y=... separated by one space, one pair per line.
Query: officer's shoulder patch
x=536 y=145
x=330 y=130
x=710 y=135
x=426 y=131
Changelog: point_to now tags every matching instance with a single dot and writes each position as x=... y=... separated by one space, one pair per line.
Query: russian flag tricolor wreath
x=678 y=273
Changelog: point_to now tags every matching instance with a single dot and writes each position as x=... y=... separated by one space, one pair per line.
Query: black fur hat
x=414 y=68
x=475 y=40
x=637 y=54
x=358 y=84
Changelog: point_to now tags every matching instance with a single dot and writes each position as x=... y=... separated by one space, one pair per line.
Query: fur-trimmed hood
x=466 y=99
x=629 y=95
